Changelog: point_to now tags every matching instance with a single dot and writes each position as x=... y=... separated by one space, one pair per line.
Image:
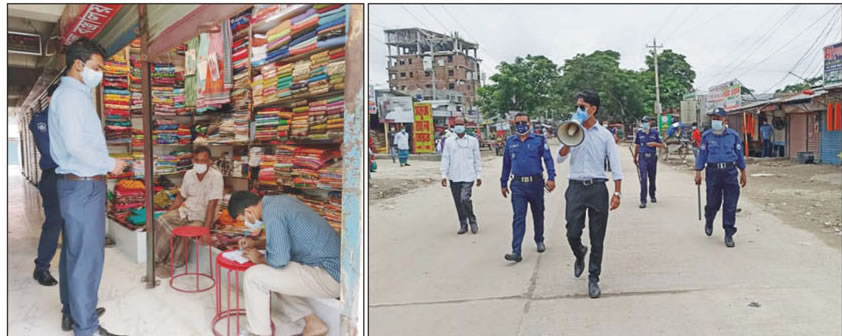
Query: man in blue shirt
x=301 y=261
x=768 y=135
x=522 y=159
x=586 y=191
x=77 y=145
x=646 y=143
x=720 y=155
x=51 y=228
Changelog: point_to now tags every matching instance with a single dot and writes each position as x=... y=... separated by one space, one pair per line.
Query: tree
x=621 y=91
x=527 y=85
x=675 y=78
x=797 y=87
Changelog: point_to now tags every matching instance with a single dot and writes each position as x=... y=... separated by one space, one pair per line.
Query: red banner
x=81 y=20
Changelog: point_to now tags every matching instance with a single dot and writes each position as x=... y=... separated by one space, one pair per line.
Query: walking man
x=720 y=155
x=768 y=135
x=393 y=149
x=461 y=164
x=646 y=143
x=586 y=191
x=77 y=145
x=697 y=139
x=51 y=228
x=402 y=143
x=522 y=159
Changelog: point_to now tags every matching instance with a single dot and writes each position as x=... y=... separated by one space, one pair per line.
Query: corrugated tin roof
x=804 y=96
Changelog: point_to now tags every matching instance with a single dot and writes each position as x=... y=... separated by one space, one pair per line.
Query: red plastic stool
x=236 y=312
x=189 y=232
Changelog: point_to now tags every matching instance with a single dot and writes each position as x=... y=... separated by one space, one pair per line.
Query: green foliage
x=526 y=85
x=676 y=78
x=797 y=87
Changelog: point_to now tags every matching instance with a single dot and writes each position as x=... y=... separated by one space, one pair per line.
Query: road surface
x=661 y=275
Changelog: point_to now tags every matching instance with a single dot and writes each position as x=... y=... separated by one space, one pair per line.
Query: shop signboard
x=726 y=95
x=422 y=130
x=833 y=64
x=664 y=124
x=372 y=104
x=85 y=20
x=24 y=43
x=397 y=109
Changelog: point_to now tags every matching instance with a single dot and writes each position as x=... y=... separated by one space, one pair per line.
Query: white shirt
x=402 y=140
x=588 y=160
x=197 y=193
x=460 y=159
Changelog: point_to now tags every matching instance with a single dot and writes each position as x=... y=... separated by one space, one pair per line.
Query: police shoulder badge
x=42 y=127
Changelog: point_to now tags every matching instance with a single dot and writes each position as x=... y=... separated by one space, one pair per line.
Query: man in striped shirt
x=301 y=261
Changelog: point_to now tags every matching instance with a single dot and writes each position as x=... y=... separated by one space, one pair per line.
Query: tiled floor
x=130 y=307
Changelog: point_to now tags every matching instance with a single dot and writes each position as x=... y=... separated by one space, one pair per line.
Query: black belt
x=528 y=179
x=722 y=165
x=648 y=155
x=588 y=182
x=84 y=178
x=49 y=171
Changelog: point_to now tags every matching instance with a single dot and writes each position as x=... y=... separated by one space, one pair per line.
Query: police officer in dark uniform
x=51 y=228
x=720 y=155
x=646 y=144
x=522 y=158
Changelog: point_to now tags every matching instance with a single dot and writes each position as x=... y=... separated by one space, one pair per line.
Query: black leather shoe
x=541 y=247
x=462 y=229
x=103 y=332
x=67 y=320
x=579 y=266
x=513 y=257
x=474 y=228
x=593 y=289
x=709 y=229
x=406 y=164
x=44 y=278
x=729 y=241
x=643 y=205
x=654 y=200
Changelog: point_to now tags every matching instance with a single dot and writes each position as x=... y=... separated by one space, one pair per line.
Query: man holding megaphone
x=587 y=143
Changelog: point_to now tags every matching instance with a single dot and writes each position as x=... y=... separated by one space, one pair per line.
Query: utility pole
x=655 y=47
x=433 y=67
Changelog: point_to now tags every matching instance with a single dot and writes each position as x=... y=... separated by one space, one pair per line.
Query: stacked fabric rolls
x=165 y=132
x=257 y=89
x=331 y=26
x=318 y=120
x=266 y=124
x=137 y=139
x=266 y=177
x=128 y=196
x=240 y=97
x=333 y=210
x=241 y=126
x=318 y=81
x=285 y=81
x=284 y=162
x=135 y=78
x=308 y=162
x=304 y=35
x=277 y=41
x=184 y=135
x=163 y=84
x=116 y=100
x=284 y=122
x=166 y=164
x=185 y=161
x=335 y=117
x=300 y=77
x=138 y=168
x=300 y=119
x=330 y=177
x=270 y=81
x=336 y=69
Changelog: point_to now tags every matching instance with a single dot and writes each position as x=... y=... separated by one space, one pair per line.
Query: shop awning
x=121 y=31
x=171 y=25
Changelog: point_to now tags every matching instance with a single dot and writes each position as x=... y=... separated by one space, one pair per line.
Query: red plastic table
x=190 y=232
x=231 y=266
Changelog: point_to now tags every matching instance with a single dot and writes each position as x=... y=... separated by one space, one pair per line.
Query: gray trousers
x=82 y=206
x=462 y=198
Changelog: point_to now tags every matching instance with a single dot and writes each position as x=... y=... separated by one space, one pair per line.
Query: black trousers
x=462 y=198
x=593 y=200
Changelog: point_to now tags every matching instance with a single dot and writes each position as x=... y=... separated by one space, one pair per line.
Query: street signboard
x=85 y=20
x=24 y=43
x=422 y=130
x=833 y=64
x=397 y=109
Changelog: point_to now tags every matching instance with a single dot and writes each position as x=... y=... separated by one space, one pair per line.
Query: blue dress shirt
x=588 y=158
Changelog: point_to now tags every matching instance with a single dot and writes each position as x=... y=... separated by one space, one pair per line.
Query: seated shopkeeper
x=301 y=261
x=196 y=205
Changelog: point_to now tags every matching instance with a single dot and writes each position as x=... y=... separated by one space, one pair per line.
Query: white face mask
x=200 y=168
x=253 y=226
x=91 y=78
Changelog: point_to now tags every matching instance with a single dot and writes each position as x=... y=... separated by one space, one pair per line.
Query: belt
x=722 y=165
x=529 y=179
x=588 y=182
x=649 y=155
x=73 y=177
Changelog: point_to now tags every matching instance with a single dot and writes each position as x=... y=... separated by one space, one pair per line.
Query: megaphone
x=571 y=133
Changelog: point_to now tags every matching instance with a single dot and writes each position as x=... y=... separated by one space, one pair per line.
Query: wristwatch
x=618 y=194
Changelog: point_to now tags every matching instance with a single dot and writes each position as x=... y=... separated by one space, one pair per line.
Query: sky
x=756 y=44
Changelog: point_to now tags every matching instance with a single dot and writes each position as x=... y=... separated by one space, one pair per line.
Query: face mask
x=717 y=125
x=91 y=78
x=200 y=168
x=522 y=128
x=645 y=127
x=254 y=226
x=581 y=115
x=460 y=129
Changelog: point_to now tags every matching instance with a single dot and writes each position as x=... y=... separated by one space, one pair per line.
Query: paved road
x=661 y=274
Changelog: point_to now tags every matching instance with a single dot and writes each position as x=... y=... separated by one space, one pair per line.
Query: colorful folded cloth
x=333 y=42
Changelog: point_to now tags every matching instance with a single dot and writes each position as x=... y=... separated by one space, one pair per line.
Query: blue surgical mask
x=254 y=226
x=522 y=128
x=645 y=126
x=459 y=129
x=581 y=115
x=717 y=125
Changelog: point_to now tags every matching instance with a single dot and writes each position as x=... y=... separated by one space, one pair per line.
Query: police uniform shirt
x=523 y=158
x=642 y=138
x=721 y=148
x=38 y=126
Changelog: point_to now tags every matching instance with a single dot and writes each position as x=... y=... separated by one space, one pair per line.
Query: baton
x=637 y=168
x=699 y=199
